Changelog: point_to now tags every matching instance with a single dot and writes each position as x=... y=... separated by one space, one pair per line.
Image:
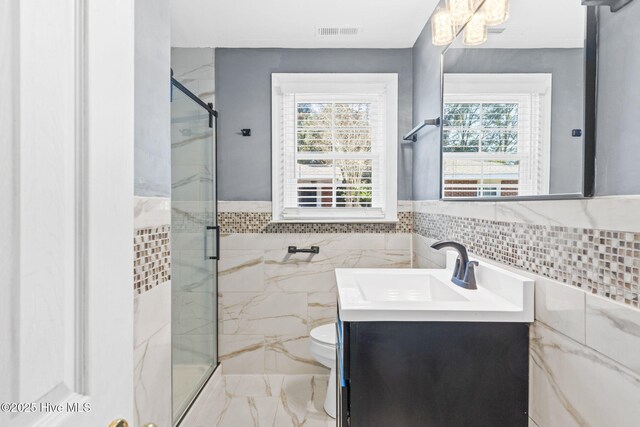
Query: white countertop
x=429 y=295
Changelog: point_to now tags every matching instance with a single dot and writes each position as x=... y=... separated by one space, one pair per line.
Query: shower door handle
x=207 y=229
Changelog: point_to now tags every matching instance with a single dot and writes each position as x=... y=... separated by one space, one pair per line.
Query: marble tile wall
x=584 y=368
x=601 y=261
x=152 y=317
x=195 y=69
x=423 y=255
x=583 y=346
x=583 y=359
x=270 y=300
x=192 y=145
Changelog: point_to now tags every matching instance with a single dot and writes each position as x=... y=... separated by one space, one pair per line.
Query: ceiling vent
x=337 y=31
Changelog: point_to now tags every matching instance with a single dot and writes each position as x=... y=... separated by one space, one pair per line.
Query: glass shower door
x=194 y=246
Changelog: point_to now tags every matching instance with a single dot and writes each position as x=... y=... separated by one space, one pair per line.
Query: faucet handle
x=470 y=275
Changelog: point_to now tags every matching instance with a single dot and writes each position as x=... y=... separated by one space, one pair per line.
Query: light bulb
x=461 y=11
x=475 y=32
x=442 y=32
x=495 y=11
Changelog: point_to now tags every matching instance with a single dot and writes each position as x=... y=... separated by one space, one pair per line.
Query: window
x=496 y=135
x=334 y=147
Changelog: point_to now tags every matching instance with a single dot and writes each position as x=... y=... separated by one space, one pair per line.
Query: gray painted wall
x=426 y=105
x=243 y=100
x=152 y=116
x=618 y=124
x=567 y=111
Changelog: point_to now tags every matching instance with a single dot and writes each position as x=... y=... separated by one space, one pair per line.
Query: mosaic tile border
x=602 y=262
x=260 y=222
x=152 y=258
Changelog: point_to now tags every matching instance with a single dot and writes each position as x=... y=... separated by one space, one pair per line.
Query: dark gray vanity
x=440 y=374
x=420 y=347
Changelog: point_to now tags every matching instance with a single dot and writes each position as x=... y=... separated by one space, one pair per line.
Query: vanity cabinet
x=432 y=374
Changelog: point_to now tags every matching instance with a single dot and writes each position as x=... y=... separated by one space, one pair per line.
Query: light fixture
x=442 y=29
x=461 y=11
x=475 y=32
x=495 y=11
x=447 y=21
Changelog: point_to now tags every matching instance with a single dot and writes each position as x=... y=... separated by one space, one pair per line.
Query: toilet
x=323 y=349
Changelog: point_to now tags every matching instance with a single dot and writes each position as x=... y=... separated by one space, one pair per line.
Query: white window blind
x=334 y=157
x=495 y=138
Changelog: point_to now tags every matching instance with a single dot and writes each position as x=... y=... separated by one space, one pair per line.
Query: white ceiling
x=292 y=23
x=541 y=24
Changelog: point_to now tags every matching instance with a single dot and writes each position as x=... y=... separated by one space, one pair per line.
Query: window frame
x=508 y=88
x=356 y=85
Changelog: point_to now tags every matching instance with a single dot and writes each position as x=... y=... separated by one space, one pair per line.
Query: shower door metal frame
x=213 y=123
x=208 y=107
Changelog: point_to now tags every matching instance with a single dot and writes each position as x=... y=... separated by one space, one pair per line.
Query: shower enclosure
x=194 y=246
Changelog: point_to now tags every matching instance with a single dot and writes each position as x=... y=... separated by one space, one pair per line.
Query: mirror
x=518 y=101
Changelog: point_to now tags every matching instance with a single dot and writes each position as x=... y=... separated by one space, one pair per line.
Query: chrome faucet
x=464 y=273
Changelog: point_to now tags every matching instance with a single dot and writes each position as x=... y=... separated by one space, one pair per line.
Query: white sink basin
x=429 y=295
x=382 y=285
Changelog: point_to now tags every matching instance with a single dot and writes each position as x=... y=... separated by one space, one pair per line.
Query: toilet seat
x=323 y=344
x=325 y=334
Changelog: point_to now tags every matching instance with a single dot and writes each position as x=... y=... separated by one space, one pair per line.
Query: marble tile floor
x=270 y=401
